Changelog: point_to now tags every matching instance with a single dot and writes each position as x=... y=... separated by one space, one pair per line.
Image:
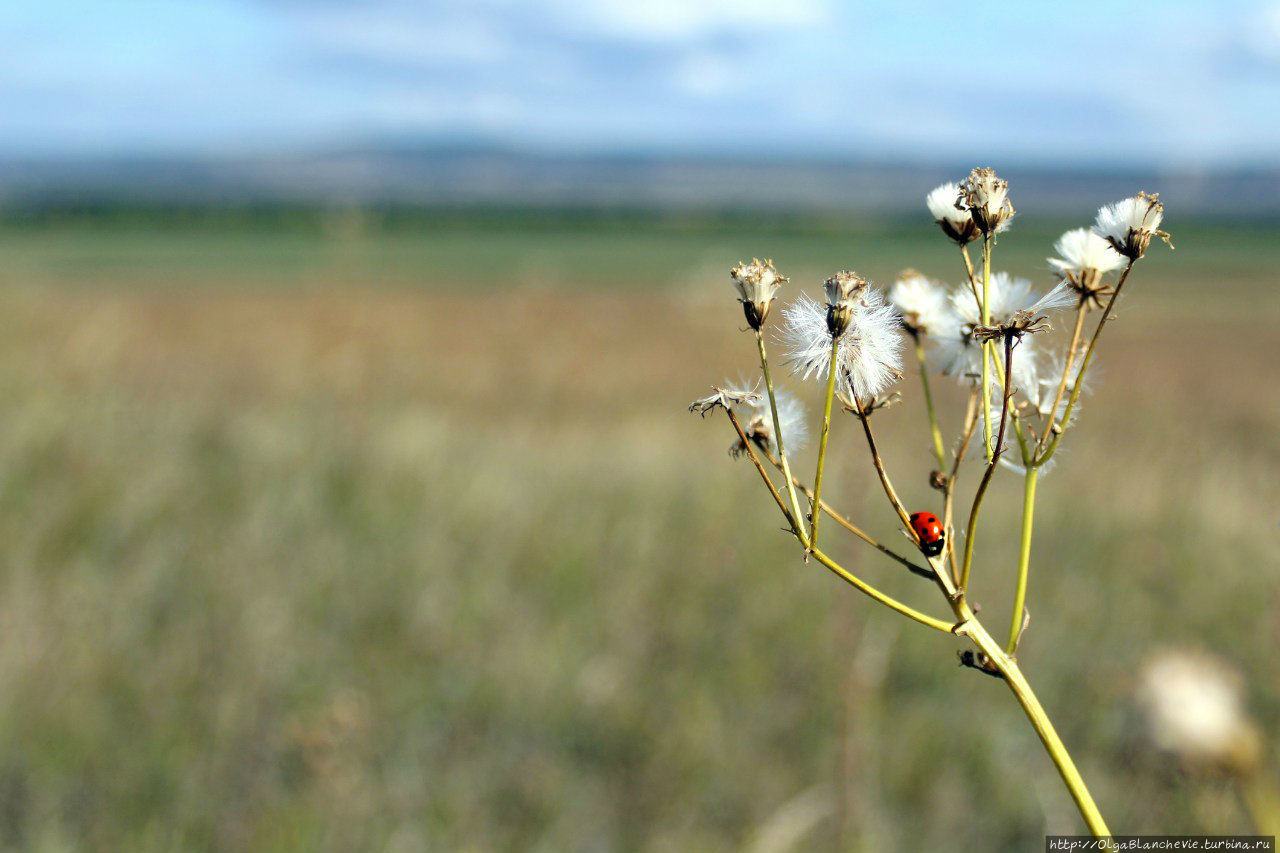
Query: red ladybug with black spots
x=929 y=530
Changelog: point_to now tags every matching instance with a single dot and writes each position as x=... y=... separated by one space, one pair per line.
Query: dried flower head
x=955 y=222
x=986 y=197
x=1193 y=708
x=866 y=406
x=1129 y=224
x=1085 y=259
x=842 y=291
x=921 y=303
x=725 y=398
x=868 y=356
x=757 y=423
x=757 y=283
x=1028 y=320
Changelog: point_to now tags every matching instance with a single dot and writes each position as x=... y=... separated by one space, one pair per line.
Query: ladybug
x=929 y=531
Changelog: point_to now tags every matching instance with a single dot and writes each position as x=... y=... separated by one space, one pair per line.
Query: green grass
x=399 y=539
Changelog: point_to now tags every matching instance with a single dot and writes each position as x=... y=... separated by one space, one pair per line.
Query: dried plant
x=986 y=334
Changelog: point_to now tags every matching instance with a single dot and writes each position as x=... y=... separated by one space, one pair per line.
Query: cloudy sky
x=1096 y=81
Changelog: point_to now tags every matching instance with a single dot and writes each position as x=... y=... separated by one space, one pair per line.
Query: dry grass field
x=404 y=540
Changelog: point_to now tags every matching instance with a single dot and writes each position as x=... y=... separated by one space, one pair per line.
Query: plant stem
x=986 y=360
x=879 y=463
x=854 y=529
x=1035 y=712
x=928 y=402
x=822 y=443
x=1069 y=362
x=777 y=430
x=845 y=574
x=796 y=526
x=968 y=268
x=972 y=529
x=1084 y=366
x=888 y=601
x=948 y=502
x=1024 y=558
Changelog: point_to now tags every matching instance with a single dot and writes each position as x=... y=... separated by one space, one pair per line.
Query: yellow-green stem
x=1035 y=712
x=971 y=531
x=822 y=443
x=879 y=596
x=986 y=352
x=928 y=402
x=1024 y=557
x=777 y=434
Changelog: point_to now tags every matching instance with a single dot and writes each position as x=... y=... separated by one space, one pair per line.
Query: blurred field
x=367 y=538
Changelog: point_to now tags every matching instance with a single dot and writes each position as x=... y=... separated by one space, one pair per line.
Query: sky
x=1091 y=82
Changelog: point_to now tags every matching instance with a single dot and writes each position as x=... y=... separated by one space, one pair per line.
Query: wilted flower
x=954 y=221
x=921 y=303
x=842 y=291
x=758 y=424
x=868 y=354
x=725 y=398
x=757 y=283
x=1194 y=709
x=1128 y=225
x=986 y=197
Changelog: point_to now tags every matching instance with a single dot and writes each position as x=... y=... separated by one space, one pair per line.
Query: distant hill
x=460 y=176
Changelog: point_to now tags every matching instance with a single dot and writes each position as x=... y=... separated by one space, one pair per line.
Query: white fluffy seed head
x=1129 y=224
x=921 y=303
x=944 y=205
x=868 y=357
x=957 y=353
x=1081 y=252
x=758 y=423
x=1193 y=708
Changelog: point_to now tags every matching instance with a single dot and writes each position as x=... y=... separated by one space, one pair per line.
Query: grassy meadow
x=376 y=535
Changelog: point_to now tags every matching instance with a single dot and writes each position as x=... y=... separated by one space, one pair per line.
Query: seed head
x=868 y=356
x=757 y=423
x=921 y=303
x=955 y=222
x=1194 y=709
x=724 y=398
x=842 y=291
x=758 y=284
x=1085 y=259
x=1129 y=224
x=986 y=197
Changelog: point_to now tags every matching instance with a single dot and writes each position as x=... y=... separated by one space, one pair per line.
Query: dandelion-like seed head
x=944 y=203
x=1193 y=708
x=842 y=291
x=1084 y=258
x=986 y=197
x=758 y=424
x=1129 y=224
x=1013 y=308
x=868 y=356
x=758 y=284
x=921 y=303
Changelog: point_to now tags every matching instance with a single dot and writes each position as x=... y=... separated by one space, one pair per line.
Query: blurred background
x=348 y=499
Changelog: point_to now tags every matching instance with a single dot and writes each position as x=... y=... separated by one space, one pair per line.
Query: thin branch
x=970 y=424
x=879 y=463
x=972 y=529
x=1069 y=362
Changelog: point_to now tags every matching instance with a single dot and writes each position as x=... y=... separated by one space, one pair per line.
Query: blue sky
x=1171 y=83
